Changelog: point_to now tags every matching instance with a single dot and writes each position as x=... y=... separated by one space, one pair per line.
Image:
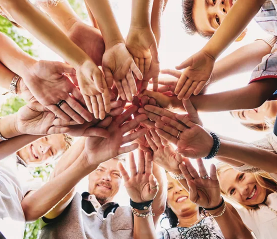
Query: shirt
x=86 y=218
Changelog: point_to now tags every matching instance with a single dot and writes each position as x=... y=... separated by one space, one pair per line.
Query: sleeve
x=160 y=235
x=270 y=40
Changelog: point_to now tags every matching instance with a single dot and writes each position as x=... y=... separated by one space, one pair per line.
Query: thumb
x=192 y=191
x=36 y=106
x=154 y=53
x=185 y=64
x=66 y=68
x=189 y=107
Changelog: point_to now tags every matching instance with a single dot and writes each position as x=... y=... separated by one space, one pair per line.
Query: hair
x=265 y=126
x=187 y=20
x=68 y=141
x=263 y=179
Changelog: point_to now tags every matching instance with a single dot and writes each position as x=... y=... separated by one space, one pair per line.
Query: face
x=178 y=198
x=268 y=110
x=104 y=182
x=242 y=187
x=209 y=14
x=43 y=149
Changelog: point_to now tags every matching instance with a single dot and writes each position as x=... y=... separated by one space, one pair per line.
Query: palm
x=24 y=92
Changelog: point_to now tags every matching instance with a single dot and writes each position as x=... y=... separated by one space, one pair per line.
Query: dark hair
x=187 y=19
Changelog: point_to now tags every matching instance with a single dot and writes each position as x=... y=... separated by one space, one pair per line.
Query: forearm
x=144 y=227
x=45 y=30
x=230 y=223
x=8 y=128
x=62 y=14
x=247 y=154
x=41 y=201
x=234 y=23
x=6 y=77
x=13 y=145
x=103 y=14
x=141 y=13
x=156 y=16
x=242 y=60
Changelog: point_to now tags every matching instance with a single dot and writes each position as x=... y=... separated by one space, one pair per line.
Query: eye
x=241 y=176
x=214 y=2
x=117 y=175
x=232 y=191
x=169 y=188
x=217 y=20
x=99 y=170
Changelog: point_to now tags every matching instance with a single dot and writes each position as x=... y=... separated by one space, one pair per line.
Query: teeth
x=252 y=194
x=181 y=199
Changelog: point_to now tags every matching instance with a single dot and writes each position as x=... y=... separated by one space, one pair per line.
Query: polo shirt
x=84 y=217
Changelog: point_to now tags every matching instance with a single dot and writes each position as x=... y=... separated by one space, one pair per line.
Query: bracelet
x=176 y=176
x=215 y=147
x=2 y=137
x=144 y=214
x=214 y=208
x=141 y=205
x=219 y=215
x=13 y=84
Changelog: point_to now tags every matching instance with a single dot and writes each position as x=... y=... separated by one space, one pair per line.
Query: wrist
x=86 y=162
x=215 y=147
x=8 y=126
x=113 y=42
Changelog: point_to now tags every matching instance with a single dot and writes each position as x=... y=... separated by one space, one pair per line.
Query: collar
x=20 y=161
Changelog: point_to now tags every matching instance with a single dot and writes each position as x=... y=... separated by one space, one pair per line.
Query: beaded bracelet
x=13 y=85
x=176 y=176
x=142 y=205
x=144 y=214
x=222 y=212
x=215 y=147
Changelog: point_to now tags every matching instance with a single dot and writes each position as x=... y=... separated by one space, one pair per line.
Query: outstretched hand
x=198 y=71
x=141 y=185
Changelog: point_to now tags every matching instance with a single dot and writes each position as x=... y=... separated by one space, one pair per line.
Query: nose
x=178 y=189
x=221 y=8
x=44 y=148
x=244 y=190
x=106 y=176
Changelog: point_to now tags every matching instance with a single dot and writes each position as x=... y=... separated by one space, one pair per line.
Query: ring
x=205 y=177
x=59 y=104
x=178 y=134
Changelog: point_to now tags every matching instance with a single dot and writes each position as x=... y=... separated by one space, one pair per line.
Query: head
x=43 y=149
x=247 y=189
x=105 y=180
x=204 y=16
x=178 y=202
x=259 y=119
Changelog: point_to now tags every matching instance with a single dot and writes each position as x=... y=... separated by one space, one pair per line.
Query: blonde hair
x=263 y=179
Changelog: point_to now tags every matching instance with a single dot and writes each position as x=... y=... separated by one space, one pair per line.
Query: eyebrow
x=236 y=179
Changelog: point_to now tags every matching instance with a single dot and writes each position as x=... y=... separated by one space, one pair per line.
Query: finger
x=65 y=68
x=127 y=149
x=156 y=137
x=191 y=90
x=185 y=120
x=116 y=112
x=173 y=123
x=123 y=172
x=116 y=104
x=145 y=149
x=60 y=122
x=88 y=103
x=120 y=90
x=144 y=85
x=79 y=109
x=190 y=108
x=147 y=65
x=71 y=113
x=101 y=106
x=167 y=136
x=132 y=165
x=105 y=123
x=148 y=124
x=141 y=66
x=191 y=169
x=199 y=87
x=148 y=163
x=201 y=167
x=159 y=111
x=133 y=123
x=169 y=129
x=58 y=112
x=174 y=73
x=144 y=100
x=151 y=143
x=184 y=89
x=184 y=64
x=108 y=77
x=136 y=71
x=107 y=100
x=132 y=136
x=185 y=172
x=95 y=108
x=136 y=60
x=132 y=83
x=152 y=101
x=97 y=132
x=180 y=83
x=126 y=89
x=155 y=84
x=166 y=88
x=99 y=79
x=213 y=174
x=141 y=162
x=57 y=130
x=150 y=115
x=123 y=117
x=77 y=95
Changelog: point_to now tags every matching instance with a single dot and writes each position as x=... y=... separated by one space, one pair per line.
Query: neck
x=188 y=220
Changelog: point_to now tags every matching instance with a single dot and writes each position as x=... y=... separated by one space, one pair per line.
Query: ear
x=242 y=35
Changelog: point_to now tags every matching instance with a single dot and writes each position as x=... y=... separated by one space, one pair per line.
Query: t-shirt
x=86 y=218
x=206 y=228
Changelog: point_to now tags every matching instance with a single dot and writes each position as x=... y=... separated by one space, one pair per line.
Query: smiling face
x=242 y=187
x=43 y=149
x=209 y=14
x=104 y=182
x=178 y=199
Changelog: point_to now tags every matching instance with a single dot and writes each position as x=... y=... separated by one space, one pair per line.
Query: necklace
x=192 y=224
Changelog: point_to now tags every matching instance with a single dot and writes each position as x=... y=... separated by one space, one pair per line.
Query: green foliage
x=79 y=8
x=13 y=32
x=11 y=106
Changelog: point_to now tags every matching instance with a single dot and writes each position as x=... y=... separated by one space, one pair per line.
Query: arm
x=157 y=9
x=6 y=76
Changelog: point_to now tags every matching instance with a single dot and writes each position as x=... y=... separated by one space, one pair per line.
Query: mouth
x=256 y=110
x=33 y=152
x=181 y=199
x=232 y=2
x=254 y=194
x=105 y=187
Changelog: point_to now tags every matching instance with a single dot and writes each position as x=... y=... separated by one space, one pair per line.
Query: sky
x=175 y=47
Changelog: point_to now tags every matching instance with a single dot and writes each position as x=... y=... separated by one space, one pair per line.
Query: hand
x=204 y=192
x=169 y=84
x=119 y=66
x=99 y=149
x=161 y=99
x=141 y=43
x=94 y=89
x=141 y=185
x=35 y=119
x=164 y=154
x=23 y=91
x=89 y=39
x=48 y=84
x=197 y=73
